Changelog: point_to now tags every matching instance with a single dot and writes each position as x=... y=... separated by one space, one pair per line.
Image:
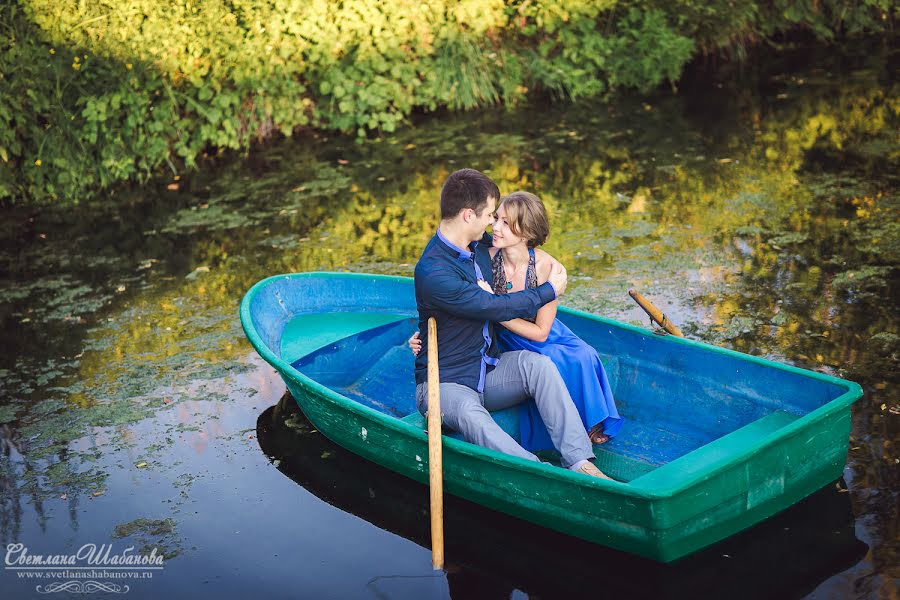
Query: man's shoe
x=589 y=468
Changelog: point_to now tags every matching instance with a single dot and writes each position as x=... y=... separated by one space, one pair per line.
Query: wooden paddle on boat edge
x=654 y=313
x=435 y=455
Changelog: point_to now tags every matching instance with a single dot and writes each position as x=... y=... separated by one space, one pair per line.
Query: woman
x=520 y=226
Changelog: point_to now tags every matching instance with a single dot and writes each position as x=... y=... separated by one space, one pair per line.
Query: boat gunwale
x=853 y=391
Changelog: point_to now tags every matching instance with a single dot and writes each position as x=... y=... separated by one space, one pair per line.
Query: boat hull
x=549 y=564
x=673 y=510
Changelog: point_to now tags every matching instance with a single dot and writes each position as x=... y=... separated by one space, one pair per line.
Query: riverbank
x=95 y=95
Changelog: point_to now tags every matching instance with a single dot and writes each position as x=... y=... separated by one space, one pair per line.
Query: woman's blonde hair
x=527 y=217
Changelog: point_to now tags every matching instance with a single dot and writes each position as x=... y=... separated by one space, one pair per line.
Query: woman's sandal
x=596 y=434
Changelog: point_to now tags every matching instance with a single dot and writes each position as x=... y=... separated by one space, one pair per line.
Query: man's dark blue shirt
x=446 y=289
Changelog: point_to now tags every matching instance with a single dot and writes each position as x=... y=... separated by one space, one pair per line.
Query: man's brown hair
x=467 y=188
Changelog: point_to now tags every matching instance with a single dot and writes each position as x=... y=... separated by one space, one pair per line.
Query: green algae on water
x=158 y=534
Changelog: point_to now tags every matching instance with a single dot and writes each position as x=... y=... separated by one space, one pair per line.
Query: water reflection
x=490 y=554
x=762 y=216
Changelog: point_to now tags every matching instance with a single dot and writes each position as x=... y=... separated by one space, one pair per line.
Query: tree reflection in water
x=763 y=216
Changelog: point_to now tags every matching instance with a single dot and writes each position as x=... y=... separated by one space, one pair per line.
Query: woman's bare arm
x=540 y=329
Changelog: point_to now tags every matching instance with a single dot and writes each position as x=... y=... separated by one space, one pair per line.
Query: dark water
x=759 y=209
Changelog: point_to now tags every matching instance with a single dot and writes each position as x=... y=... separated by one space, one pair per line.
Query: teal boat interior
x=686 y=404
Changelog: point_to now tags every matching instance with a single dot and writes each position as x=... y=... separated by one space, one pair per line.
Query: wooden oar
x=655 y=313
x=435 y=456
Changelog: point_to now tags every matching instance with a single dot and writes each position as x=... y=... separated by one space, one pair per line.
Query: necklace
x=508 y=278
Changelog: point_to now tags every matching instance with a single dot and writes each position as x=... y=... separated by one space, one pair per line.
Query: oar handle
x=435 y=456
x=655 y=313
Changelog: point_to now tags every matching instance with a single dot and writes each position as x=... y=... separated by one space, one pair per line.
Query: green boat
x=715 y=440
x=547 y=564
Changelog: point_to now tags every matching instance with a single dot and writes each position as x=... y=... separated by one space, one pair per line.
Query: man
x=475 y=377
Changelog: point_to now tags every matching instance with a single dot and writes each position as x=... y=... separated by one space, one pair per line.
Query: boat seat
x=722 y=450
x=306 y=333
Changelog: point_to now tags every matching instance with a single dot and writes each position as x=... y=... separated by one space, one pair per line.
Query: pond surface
x=759 y=209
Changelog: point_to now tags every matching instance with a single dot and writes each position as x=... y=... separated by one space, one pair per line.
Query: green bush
x=112 y=90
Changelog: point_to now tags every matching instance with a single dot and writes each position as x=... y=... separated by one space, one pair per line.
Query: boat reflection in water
x=490 y=554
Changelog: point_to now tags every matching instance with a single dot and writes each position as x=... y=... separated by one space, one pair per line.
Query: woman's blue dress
x=578 y=363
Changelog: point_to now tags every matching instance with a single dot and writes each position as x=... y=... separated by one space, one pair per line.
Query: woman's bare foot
x=596 y=434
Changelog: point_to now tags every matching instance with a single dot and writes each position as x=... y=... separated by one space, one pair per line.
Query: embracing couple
x=494 y=298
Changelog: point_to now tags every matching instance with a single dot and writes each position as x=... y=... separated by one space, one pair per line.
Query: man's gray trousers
x=518 y=376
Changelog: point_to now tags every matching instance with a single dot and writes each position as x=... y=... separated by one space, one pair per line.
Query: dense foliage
x=110 y=90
